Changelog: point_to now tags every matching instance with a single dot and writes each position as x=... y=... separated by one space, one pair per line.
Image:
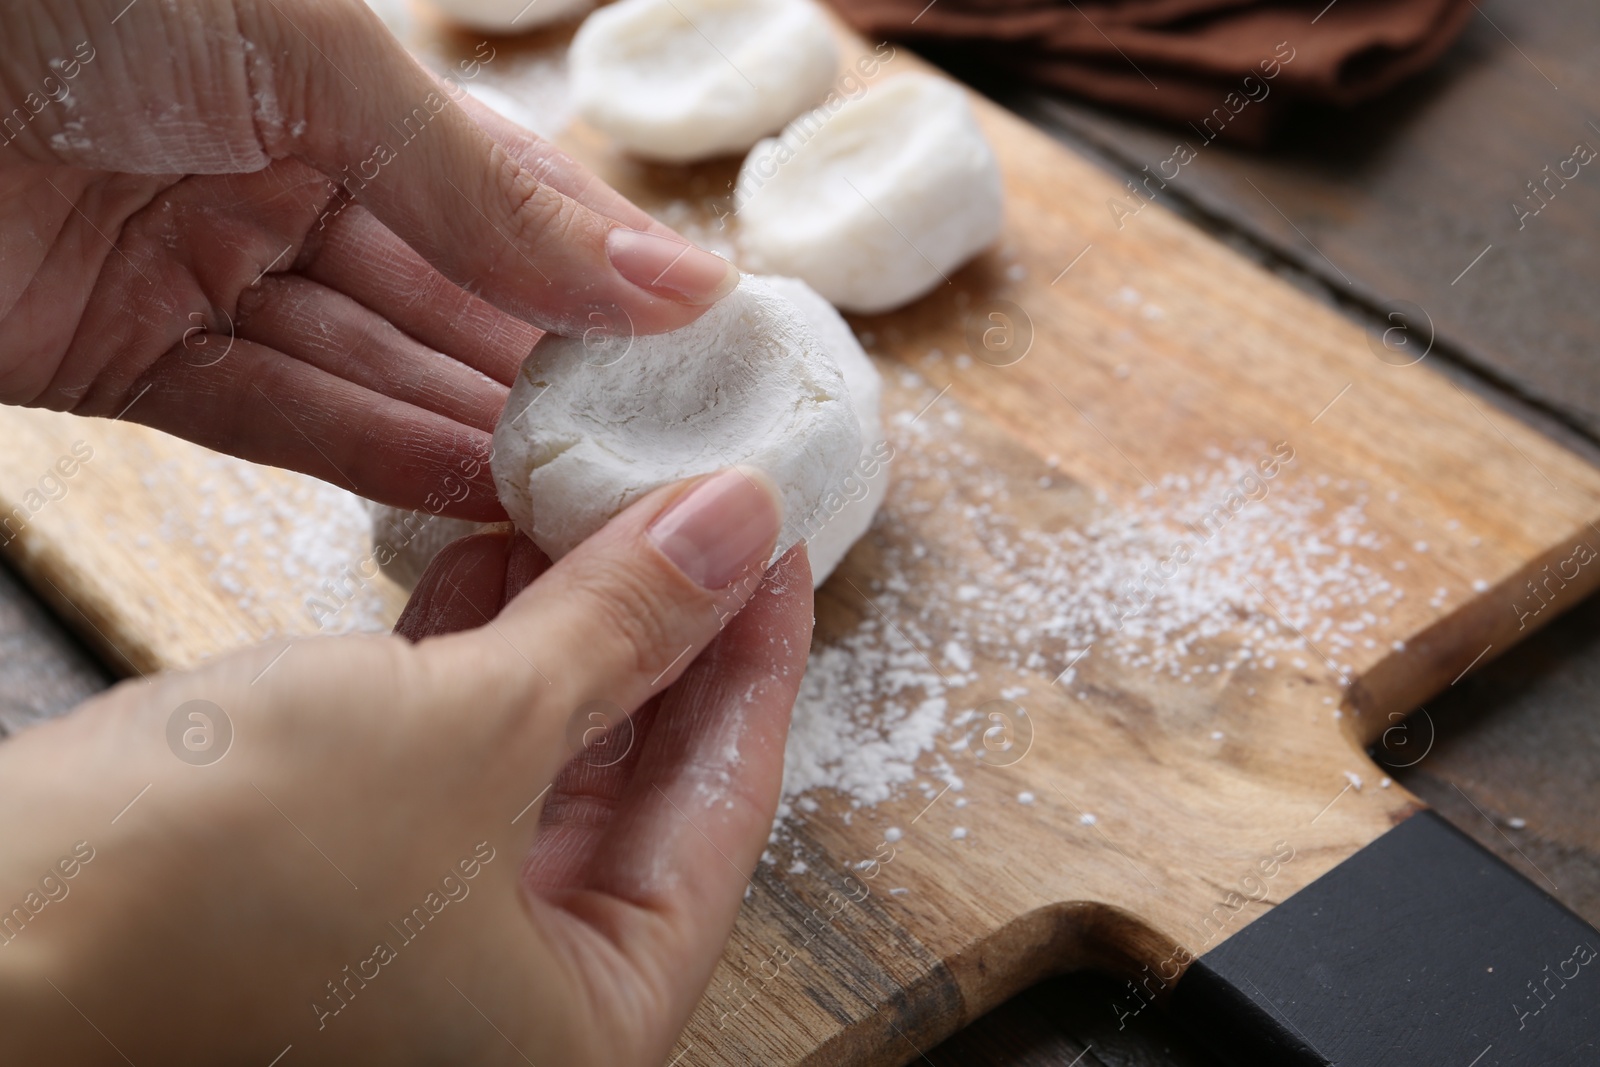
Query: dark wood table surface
x=1392 y=202
x=1395 y=201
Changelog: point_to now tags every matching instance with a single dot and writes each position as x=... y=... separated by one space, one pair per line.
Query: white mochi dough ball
x=405 y=542
x=509 y=16
x=847 y=513
x=874 y=204
x=585 y=432
x=681 y=80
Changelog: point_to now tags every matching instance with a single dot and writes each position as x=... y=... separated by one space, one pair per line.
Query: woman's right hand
x=392 y=857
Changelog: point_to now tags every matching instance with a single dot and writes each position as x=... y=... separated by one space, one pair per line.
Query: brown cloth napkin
x=1229 y=67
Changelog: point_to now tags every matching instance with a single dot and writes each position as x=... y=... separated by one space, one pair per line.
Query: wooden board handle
x=1423 y=948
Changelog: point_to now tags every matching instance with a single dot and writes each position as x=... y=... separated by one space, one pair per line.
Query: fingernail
x=721 y=528
x=670 y=268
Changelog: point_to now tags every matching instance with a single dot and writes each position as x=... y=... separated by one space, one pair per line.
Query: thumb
x=403 y=146
x=324 y=82
x=623 y=615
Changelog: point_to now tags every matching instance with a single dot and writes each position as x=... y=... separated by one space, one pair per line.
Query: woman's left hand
x=255 y=224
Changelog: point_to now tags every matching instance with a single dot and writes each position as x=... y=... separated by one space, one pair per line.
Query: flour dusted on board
x=243 y=522
x=889 y=707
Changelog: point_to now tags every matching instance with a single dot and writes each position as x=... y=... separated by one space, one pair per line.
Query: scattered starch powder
x=884 y=707
x=241 y=523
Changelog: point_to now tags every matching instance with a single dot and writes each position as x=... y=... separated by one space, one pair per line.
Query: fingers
x=322 y=81
x=462 y=588
x=468 y=583
x=258 y=404
x=583 y=799
x=560 y=170
x=214 y=374
x=403 y=148
x=333 y=332
x=693 y=821
x=620 y=814
x=623 y=615
x=359 y=257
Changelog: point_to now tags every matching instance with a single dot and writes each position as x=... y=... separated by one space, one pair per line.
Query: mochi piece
x=405 y=542
x=509 y=16
x=585 y=432
x=681 y=80
x=873 y=204
x=847 y=512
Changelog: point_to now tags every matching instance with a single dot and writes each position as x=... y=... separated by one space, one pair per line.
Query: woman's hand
x=252 y=224
x=393 y=860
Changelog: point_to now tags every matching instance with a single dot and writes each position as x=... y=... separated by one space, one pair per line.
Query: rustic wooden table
x=1397 y=201
x=1408 y=199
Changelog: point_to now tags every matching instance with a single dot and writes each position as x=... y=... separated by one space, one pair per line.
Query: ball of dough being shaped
x=873 y=204
x=405 y=542
x=848 y=511
x=681 y=80
x=509 y=16
x=748 y=382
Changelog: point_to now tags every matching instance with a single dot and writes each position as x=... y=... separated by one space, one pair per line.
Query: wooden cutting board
x=1114 y=810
